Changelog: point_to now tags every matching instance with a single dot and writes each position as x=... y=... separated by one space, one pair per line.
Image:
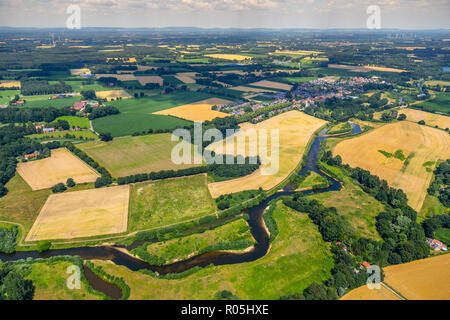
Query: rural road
x=393 y=291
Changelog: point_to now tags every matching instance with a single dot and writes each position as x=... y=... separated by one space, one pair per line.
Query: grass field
x=419 y=144
x=132 y=155
x=158 y=103
x=197 y=111
x=364 y=293
x=443 y=234
x=295 y=131
x=7 y=95
x=22 y=204
x=250 y=89
x=441 y=103
x=43 y=101
x=81 y=122
x=96 y=212
x=125 y=124
x=297 y=257
x=160 y=203
x=421 y=279
x=50 y=278
x=62 y=135
x=313 y=179
x=183 y=248
x=358 y=208
x=431 y=206
x=298 y=79
x=45 y=173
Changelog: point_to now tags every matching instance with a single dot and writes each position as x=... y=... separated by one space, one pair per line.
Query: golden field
x=425 y=279
x=9 y=84
x=385 y=69
x=364 y=293
x=225 y=56
x=82 y=214
x=431 y=119
x=45 y=173
x=250 y=89
x=272 y=85
x=112 y=94
x=77 y=72
x=186 y=77
x=197 y=111
x=295 y=131
x=420 y=143
x=299 y=52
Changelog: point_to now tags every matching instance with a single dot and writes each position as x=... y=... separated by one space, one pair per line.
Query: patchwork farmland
x=45 y=173
x=295 y=131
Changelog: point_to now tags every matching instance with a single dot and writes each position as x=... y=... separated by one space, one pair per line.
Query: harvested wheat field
x=45 y=173
x=9 y=84
x=272 y=85
x=143 y=80
x=426 y=279
x=233 y=57
x=295 y=131
x=78 y=72
x=197 y=111
x=364 y=293
x=384 y=69
x=431 y=119
x=112 y=94
x=186 y=77
x=82 y=214
x=414 y=145
x=250 y=89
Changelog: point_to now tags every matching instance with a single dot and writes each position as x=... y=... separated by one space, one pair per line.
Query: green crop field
x=295 y=79
x=78 y=86
x=158 y=103
x=359 y=208
x=7 y=95
x=126 y=124
x=45 y=102
x=235 y=235
x=298 y=256
x=165 y=202
x=441 y=103
x=65 y=135
x=132 y=155
x=81 y=122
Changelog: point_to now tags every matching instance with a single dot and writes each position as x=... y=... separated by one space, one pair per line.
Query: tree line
x=439 y=186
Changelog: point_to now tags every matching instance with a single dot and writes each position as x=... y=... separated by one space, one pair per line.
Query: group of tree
x=431 y=224
x=8 y=237
x=25 y=115
x=36 y=87
x=440 y=185
x=103 y=112
x=105 y=179
x=13 y=285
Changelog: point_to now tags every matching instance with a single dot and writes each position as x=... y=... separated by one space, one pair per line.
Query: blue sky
x=405 y=14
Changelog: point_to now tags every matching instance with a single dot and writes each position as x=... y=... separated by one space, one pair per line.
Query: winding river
x=118 y=254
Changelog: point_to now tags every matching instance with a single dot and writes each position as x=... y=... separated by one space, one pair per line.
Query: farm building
x=436 y=244
x=47 y=130
x=79 y=105
x=32 y=155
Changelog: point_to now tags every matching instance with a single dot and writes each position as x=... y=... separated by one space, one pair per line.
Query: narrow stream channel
x=258 y=230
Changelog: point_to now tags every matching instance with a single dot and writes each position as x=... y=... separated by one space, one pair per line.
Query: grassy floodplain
x=132 y=155
x=237 y=232
x=165 y=202
x=359 y=208
x=298 y=256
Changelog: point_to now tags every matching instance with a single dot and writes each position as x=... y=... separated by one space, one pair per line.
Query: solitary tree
x=70 y=183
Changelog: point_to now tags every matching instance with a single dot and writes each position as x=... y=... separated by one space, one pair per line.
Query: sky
x=323 y=14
